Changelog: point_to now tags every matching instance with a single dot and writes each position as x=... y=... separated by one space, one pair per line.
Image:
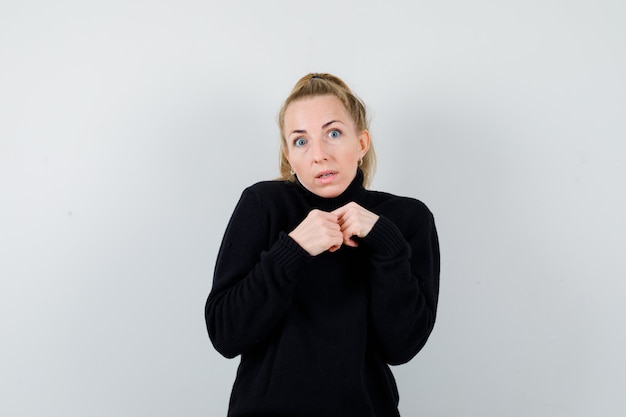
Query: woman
x=319 y=283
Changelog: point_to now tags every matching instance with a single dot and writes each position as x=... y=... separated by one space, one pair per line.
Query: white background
x=128 y=130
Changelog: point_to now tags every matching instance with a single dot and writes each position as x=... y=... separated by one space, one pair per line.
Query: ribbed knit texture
x=316 y=334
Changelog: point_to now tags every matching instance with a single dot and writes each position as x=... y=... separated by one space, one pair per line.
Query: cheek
x=294 y=159
x=351 y=155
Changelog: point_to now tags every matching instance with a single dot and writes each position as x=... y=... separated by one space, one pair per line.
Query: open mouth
x=326 y=175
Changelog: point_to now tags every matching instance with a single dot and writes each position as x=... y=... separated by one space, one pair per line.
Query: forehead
x=315 y=110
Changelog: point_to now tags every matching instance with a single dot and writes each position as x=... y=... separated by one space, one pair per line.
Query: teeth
x=326 y=175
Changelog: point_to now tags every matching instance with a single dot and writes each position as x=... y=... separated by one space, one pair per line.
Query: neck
x=354 y=192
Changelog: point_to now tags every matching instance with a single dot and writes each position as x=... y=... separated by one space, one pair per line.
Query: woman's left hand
x=354 y=220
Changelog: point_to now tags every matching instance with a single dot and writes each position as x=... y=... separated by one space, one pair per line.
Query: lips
x=325 y=174
x=326 y=177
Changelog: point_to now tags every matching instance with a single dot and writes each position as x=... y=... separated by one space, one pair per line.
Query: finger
x=348 y=236
x=342 y=211
x=334 y=248
x=350 y=227
x=336 y=241
x=339 y=212
x=350 y=242
x=332 y=226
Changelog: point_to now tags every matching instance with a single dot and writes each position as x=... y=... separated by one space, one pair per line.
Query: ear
x=364 y=143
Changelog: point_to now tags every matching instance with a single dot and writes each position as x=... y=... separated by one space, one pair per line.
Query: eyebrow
x=324 y=126
x=330 y=123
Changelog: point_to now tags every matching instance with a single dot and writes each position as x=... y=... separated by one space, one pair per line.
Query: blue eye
x=299 y=142
x=334 y=134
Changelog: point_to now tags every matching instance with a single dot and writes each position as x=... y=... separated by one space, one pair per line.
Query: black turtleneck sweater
x=316 y=334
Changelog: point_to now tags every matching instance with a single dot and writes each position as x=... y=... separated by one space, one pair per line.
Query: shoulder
x=409 y=214
x=259 y=203
x=267 y=190
x=390 y=202
x=270 y=195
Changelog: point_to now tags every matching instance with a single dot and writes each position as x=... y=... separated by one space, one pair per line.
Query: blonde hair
x=316 y=84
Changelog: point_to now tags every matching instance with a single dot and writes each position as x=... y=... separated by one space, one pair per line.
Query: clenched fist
x=318 y=232
x=354 y=220
x=321 y=231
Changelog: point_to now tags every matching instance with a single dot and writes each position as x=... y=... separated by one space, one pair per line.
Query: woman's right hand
x=318 y=232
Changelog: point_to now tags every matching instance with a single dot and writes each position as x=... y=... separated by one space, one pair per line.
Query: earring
x=361 y=161
x=292 y=172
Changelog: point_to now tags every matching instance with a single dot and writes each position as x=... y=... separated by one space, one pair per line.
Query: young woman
x=321 y=284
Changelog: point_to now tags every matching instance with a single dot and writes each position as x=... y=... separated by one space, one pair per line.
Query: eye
x=334 y=134
x=300 y=142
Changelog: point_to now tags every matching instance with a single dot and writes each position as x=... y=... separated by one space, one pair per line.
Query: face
x=323 y=145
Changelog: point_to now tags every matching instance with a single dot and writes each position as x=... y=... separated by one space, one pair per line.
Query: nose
x=319 y=151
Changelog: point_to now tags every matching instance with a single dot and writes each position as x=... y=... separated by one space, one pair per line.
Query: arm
x=404 y=283
x=253 y=281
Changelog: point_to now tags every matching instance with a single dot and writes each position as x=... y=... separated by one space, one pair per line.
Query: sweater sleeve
x=404 y=284
x=253 y=280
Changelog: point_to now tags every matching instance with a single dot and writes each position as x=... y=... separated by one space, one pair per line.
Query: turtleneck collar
x=354 y=192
